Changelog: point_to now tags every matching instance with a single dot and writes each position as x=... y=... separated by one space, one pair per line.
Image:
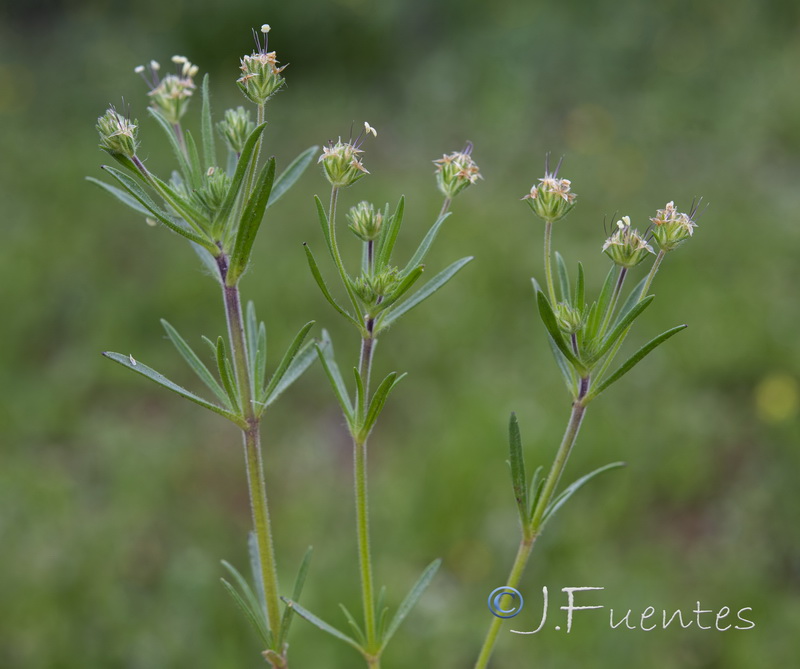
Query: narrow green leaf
x=403 y=287
x=196 y=169
x=291 y=174
x=326 y=357
x=566 y=369
x=250 y=222
x=248 y=612
x=579 y=299
x=182 y=206
x=631 y=362
x=570 y=490
x=226 y=373
x=517 y=462
x=425 y=245
x=251 y=339
x=258 y=574
x=361 y=400
x=121 y=195
x=155 y=211
x=323 y=223
x=378 y=401
x=563 y=278
x=549 y=320
x=621 y=327
x=209 y=261
x=537 y=483
x=261 y=358
x=281 y=379
x=144 y=370
x=312 y=263
x=207 y=127
x=238 y=176
x=352 y=622
x=382 y=610
x=170 y=132
x=321 y=624
x=423 y=293
x=302 y=361
x=299 y=582
x=388 y=236
x=195 y=363
x=593 y=323
x=408 y=603
x=631 y=301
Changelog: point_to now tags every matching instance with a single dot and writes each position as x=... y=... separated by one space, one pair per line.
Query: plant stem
x=652 y=274
x=445 y=206
x=623 y=272
x=618 y=344
x=533 y=530
x=252 y=446
x=523 y=553
x=362 y=501
x=548 y=271
x=334 y=248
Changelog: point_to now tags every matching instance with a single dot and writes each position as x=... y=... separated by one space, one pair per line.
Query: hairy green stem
x=337 y=258
x=362 y=501
x=253 y=458
x=523 y=553
x=618 y=344
x=445 y=206
x=623 y=272
x=532 y=531
x=548 y=270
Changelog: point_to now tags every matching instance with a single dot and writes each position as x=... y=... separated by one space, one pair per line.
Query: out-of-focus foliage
x=117 y=500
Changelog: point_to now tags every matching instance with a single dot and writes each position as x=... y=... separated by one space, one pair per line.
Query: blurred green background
x=117 y=500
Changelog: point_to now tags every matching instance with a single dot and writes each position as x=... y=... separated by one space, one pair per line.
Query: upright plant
x=219 y=210
x=379 y=293
x=585 y=340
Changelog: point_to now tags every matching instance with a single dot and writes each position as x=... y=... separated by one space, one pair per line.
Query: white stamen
x=138 y=69
x=265 y=28
x=154 y=65
x=178 y=60
x=370 y=129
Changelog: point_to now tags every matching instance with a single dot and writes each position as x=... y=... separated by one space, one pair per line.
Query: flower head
x=261 y=76
x=340 y=159
x=626 y=247
x=365 y=221
x=235 y=127
x=552 y=198
x=170 y=94
x=570 y=319
x=456 y=171
x=117 y=133
x=372 y=288
x=671 y=227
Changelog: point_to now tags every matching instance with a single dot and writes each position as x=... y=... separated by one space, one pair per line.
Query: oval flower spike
x=626 y=247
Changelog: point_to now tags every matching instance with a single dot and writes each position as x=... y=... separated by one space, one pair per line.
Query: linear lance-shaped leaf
x=160 y=379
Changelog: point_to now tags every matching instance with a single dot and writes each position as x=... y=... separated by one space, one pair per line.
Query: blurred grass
x=116 y=501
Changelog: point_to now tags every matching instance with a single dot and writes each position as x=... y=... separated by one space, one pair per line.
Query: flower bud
x=456 y=171
x=671 y=228
x=626 y=247
x=170 y=95
x=261 y=77
x=117 y=133
x=212 y=193
x=569 y=319
x=371 y=289
x=365 y=222
x=235 y=127
x=341 y=164
x=552 y=198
